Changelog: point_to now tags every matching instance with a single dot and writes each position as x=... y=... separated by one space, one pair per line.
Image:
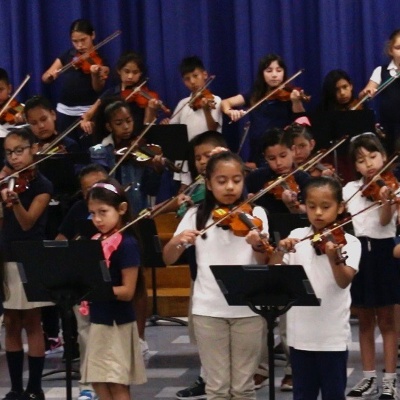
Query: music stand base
x=155 y=318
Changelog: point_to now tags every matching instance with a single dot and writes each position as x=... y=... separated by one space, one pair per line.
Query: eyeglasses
x=365 y=134
x=17 y=151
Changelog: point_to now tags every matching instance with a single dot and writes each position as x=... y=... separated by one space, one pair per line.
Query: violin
x=335 y=235
x=284 y=94
x=197 y=194
x=8 y=115
x=197 y=102
x=288 y=183
x=18 y=184
x=142 y=97
x=373 y=188
x=84 y=63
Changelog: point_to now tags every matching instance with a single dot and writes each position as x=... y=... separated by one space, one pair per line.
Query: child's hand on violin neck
x=287 y=245
x=9 y=197
x=234 y=115
x=183 y=198
x=289 y=198
x=186 y=238
x=253 y=238
x=331 y=250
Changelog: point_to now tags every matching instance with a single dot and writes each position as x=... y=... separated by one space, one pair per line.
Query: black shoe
x=195 y=392
x=13 y=395
x=33 y=396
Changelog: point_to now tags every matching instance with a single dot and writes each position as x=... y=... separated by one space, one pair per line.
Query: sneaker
x=144 y=347
x=33 y=396
x=260 y=381
x=287 y=383
x=366 y=388
x=195 y=392
x=13 y=395
x=88 y=395
x=389 y=390
x=53 y=345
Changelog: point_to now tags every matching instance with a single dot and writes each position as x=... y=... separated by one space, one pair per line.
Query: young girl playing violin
x=388 y=115
x=12 y=114
x=273 y=113
x=375 y=289
x=113 y=358
x=304 y=144
x=80 y=85
x=228 y=338
x=318 y=336
x=24 y=219
x=131 y=71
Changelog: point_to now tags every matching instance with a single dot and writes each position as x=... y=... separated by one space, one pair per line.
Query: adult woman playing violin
x=143 y=102
x=269 y=114
x=80 y=88
x=225 y=184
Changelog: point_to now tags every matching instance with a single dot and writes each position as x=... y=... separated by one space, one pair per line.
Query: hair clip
x=107 y=186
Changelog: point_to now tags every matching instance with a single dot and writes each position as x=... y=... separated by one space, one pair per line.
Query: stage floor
x=174 y=364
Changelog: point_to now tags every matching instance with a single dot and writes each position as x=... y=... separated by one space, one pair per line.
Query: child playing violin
x=131 y=71
x=113 y=358
x=319 y=336
x=304 y=144
x=200 y=115
x=12 y=115
x=279 y=154
x=388 y=115
x=228 y=338
x=375 y=289
x=271 y=113
x=79 y=89
x=25 y=218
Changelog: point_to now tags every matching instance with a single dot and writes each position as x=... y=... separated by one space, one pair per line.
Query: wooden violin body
x=284 y=94
x=197 y=103
x=8 y=115
x=372 y=189
x=85 y=63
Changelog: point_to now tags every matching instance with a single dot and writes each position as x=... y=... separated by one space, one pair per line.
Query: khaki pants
x=229 y=350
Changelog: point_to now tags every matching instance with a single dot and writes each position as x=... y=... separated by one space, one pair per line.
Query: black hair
x=368 y=141
x=130 y=56
x=111 y=197
x=299 y=130
x=38 y=101
x=24 y=133
x=189 y=64
x=260 y=87
x=82 y=25
x=91 y=168
x=321 y=181
x=4 y=76
x=328 y=96
x=104 y=114
x=276 y=136
x=209 y=202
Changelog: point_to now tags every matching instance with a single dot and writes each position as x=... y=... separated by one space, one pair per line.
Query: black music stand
x=152 y=258
x=270 y=291
x=65 y=273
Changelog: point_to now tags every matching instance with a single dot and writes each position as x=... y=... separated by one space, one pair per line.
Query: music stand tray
x=270 y=291
x=65 y=273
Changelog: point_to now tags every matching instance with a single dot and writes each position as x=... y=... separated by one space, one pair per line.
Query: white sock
x=390 y=376
x=370 y=374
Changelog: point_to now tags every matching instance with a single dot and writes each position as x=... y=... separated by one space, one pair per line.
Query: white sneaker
x=365 y=389
x=88 y=395
x=389 y=390
x=145 y=350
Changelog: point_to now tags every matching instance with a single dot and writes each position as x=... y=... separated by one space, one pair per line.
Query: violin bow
x=87 y=53
x=277 y=89
x=132 y=146
x=381 y=87
x=58 y=138
x=244 y=136
x=19 y=88
x=195 y=95
x=136 y=89
x=373 y=179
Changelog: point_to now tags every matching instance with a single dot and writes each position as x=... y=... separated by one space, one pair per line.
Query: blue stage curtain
x=229 y=35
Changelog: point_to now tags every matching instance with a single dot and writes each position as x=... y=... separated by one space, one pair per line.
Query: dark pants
x=315 y=371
